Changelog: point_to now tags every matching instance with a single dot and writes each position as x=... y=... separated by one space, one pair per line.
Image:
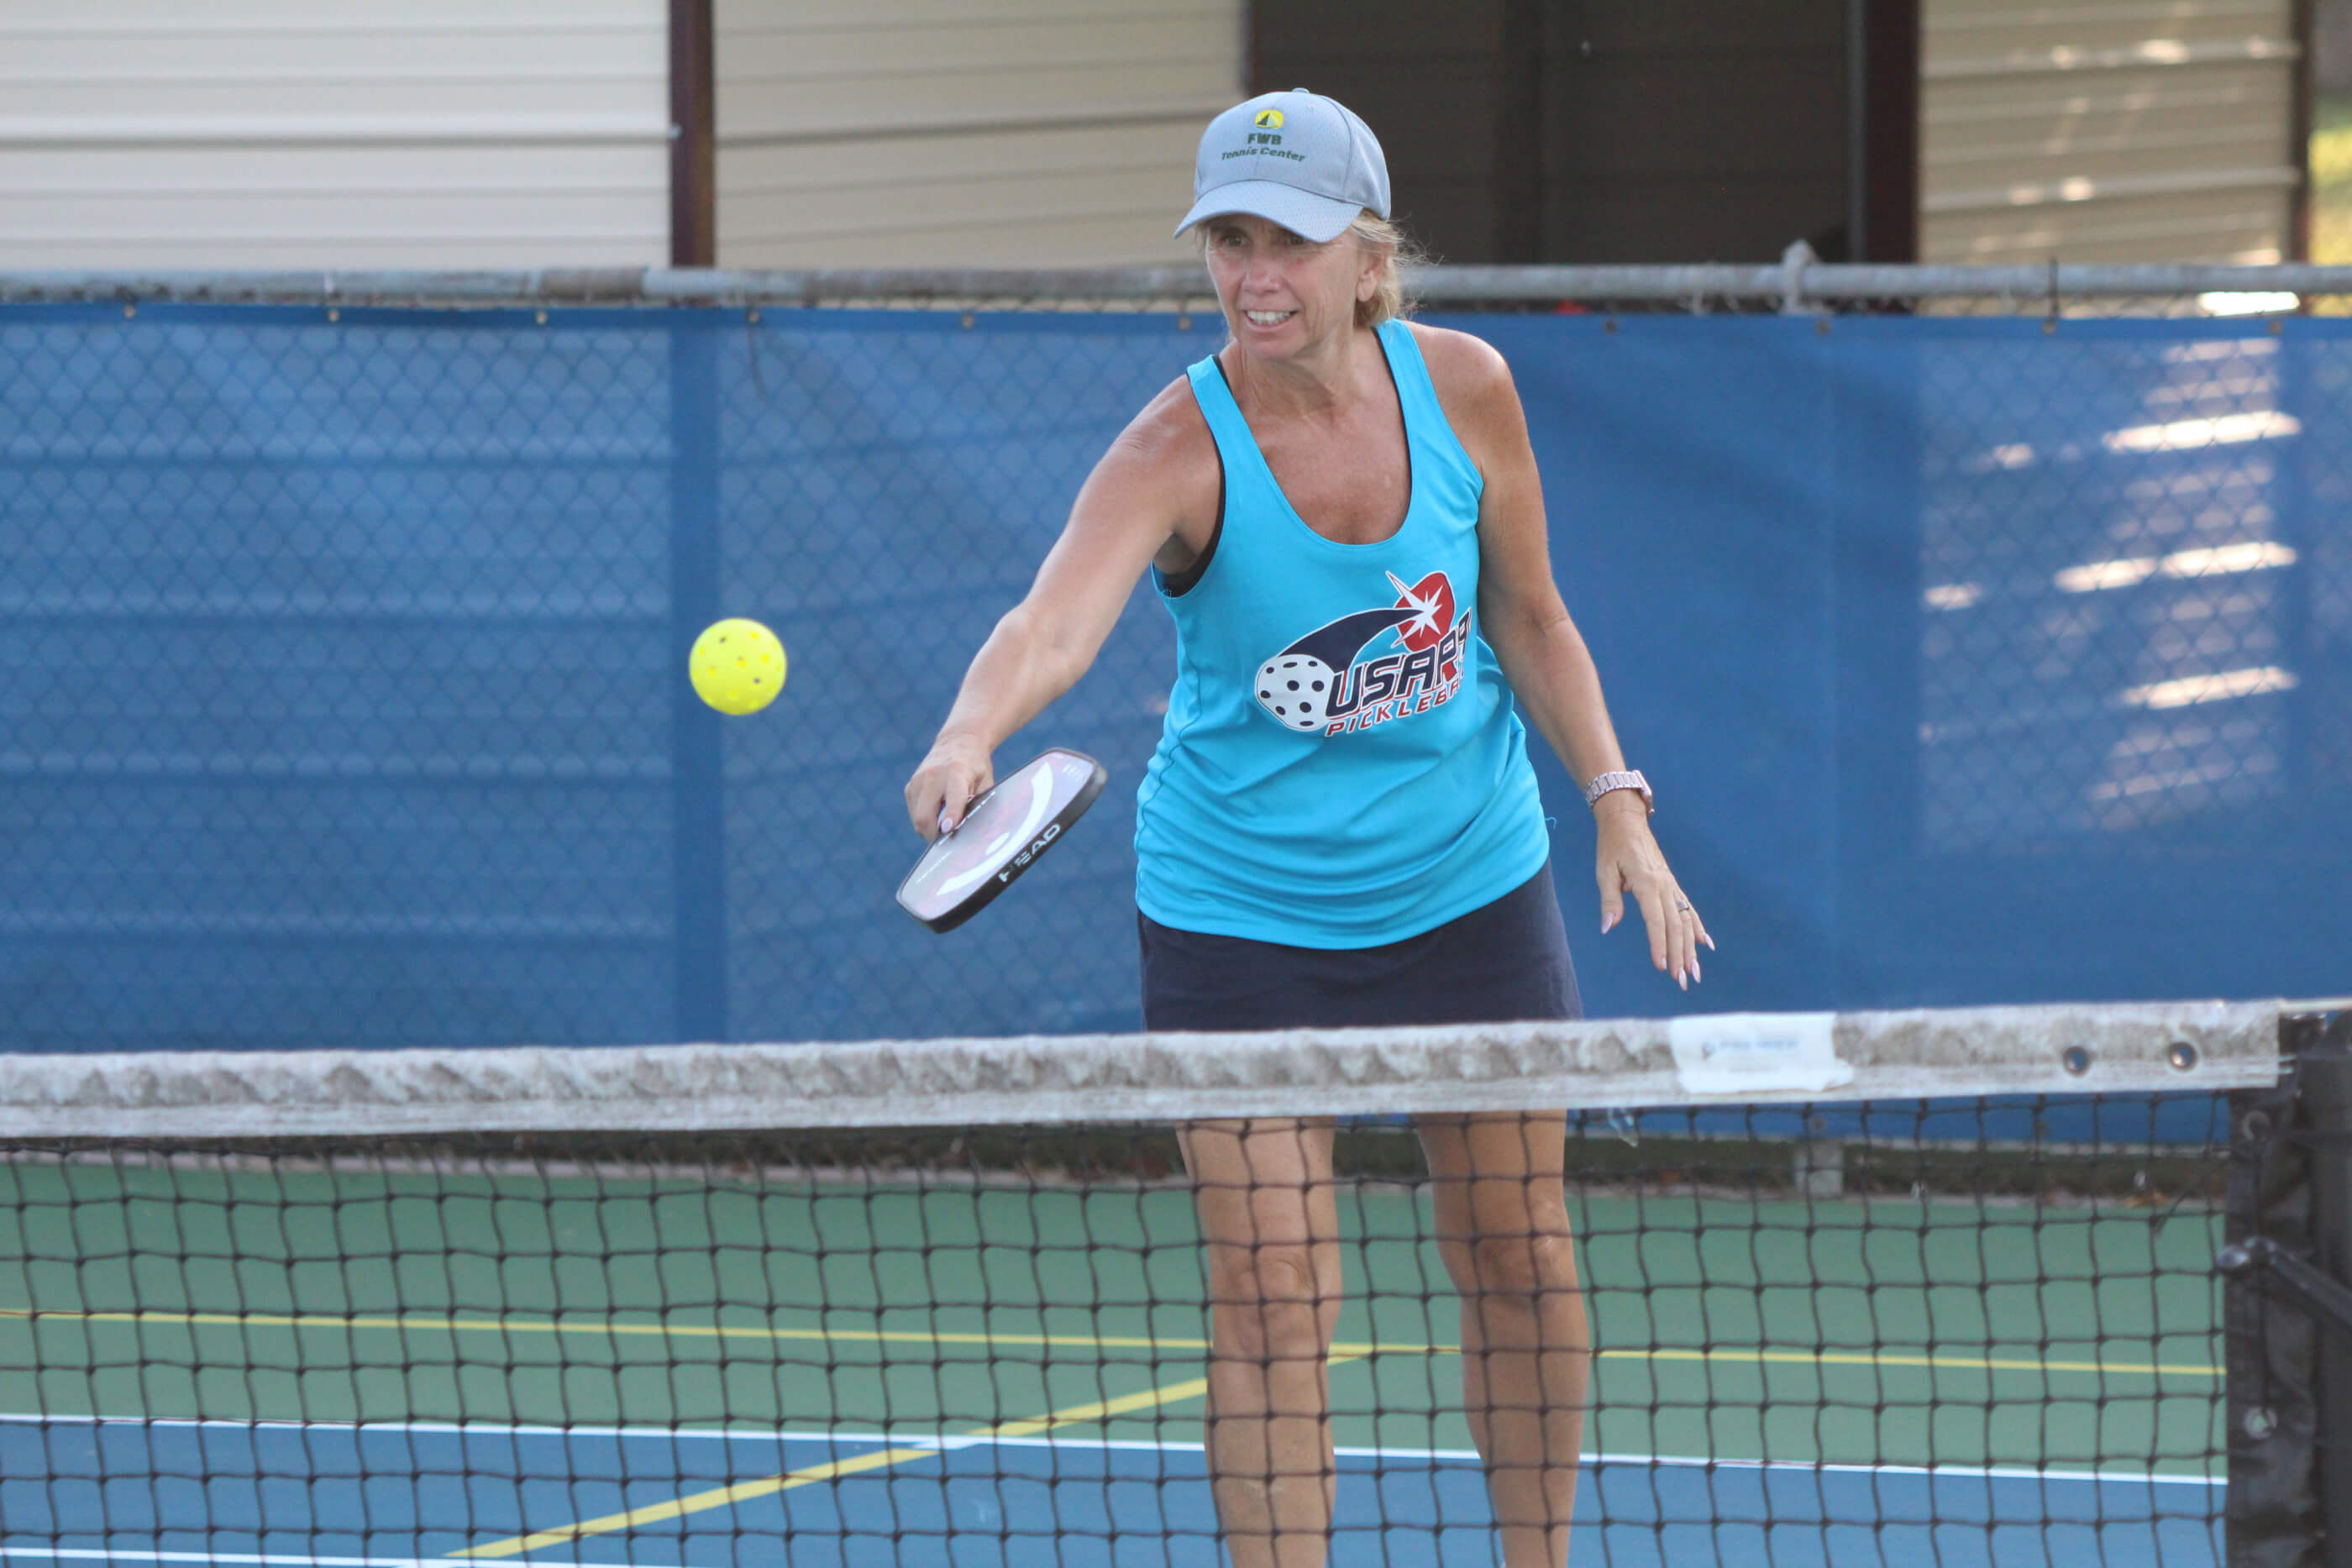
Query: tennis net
x=1915 y=1286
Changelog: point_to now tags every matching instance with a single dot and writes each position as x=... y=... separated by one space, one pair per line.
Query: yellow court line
x=1884 y=1358
x=744 y=1491
x=603 y=1326
x=1351 y=1349
x=1344 y=1350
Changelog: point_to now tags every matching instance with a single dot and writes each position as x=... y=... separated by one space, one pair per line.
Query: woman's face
x=1283 y=293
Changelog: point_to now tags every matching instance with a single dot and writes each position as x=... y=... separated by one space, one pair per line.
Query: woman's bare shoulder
x=1461 y=363
x=1473 y=382
x=1166 y=447
x=1161 y=470
x=1169 y=431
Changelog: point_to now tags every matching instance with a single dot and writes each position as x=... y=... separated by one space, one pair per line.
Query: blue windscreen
x=342 y=695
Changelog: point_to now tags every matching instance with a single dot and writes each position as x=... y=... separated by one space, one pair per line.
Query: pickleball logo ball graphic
x=1294 y=687
x=1300 y=686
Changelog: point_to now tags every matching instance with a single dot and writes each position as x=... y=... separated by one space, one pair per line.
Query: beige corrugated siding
x=932 y=132
x=340 y=134
x=2123 y=131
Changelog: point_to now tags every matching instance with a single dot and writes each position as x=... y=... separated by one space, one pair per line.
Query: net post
x=2324 y=1075
x=2271 y=1506
x=2289 y=1501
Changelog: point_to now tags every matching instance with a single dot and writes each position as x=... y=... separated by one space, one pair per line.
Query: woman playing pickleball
x=1340 y=826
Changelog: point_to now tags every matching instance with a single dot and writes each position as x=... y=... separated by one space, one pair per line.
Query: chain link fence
x=1987 y=633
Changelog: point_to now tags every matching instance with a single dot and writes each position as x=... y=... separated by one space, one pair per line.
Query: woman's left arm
x=1523 y=619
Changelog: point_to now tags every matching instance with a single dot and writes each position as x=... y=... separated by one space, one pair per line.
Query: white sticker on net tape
x=1750 y=1053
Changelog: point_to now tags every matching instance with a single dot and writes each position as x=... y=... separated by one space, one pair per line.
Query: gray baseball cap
x=1295 y=158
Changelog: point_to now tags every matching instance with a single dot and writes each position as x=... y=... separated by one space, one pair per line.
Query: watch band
x=1631 y=779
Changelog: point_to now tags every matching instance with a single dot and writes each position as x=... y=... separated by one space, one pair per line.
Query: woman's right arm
x=1154 y=491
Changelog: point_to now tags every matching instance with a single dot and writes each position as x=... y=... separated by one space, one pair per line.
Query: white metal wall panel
x=2106 y=130
x=334 y=133
x=994 y=134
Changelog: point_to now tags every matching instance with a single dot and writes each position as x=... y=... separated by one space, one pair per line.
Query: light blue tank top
x=1340 y=765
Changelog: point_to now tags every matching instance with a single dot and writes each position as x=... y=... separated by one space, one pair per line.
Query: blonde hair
x=1370 y=231
x=1389 y=301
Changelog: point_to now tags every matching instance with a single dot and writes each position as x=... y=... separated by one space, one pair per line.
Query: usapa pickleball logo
x=1372 y=667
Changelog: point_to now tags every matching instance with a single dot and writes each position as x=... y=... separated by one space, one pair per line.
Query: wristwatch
x=1602 y=783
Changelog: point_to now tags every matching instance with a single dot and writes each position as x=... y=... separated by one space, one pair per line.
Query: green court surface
x=1881 y=1331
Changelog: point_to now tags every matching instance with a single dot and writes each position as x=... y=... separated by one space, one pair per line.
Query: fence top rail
x=1796 y=285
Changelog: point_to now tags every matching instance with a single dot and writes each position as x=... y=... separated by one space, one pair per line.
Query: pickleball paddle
x=1002 y=835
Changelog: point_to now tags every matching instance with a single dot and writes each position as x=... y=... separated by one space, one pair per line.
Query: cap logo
x=1268 y=120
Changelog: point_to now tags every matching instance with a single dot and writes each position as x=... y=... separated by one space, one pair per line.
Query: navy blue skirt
x=1504 y=961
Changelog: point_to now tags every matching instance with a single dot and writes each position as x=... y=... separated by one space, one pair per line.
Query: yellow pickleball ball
x=737 y=665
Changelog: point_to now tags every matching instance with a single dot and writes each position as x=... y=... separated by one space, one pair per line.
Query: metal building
x=476 y=133
x=1035 y=133
x=481 y=133
x=276 y=133
x=2122 y=131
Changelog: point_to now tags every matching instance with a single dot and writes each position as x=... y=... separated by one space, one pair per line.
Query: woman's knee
x=1270 y=1301
x=1524 y=1272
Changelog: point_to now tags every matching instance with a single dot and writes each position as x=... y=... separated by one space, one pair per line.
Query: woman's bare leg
x=1502 y=1230
x=1270 y=1231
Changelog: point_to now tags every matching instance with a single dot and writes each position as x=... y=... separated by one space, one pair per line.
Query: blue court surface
x=344 y=1496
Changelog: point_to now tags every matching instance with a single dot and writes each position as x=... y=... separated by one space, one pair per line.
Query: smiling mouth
x=1268 y=318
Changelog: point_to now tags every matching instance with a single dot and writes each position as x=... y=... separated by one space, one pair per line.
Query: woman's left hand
x=1631 y=861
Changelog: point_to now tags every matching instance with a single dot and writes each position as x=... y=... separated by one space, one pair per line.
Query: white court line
x=952 y=1442
x=757 y=1434
x=1963 y=1472
x=123 y=1554
x=487 y=1428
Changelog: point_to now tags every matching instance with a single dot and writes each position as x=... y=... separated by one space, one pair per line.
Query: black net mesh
x=1985 y=1332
